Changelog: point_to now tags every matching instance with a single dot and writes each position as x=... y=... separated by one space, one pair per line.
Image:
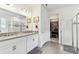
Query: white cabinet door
x=20 y=46
x=32 y=42
x=35 y=43
x=6 y=47
x=29 y=43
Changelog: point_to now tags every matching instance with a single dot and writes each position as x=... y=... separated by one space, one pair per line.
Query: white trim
x=58 y=30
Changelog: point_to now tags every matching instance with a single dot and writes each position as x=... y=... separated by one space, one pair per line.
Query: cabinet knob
x=14 y=47
x=33 y=39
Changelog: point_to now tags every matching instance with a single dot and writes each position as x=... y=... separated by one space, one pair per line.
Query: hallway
x=56 y=40
x=50 y=48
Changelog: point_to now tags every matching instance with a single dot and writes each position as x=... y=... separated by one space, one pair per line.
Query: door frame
x=59 y=33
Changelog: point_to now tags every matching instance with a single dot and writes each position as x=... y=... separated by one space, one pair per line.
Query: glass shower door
x=75 y=33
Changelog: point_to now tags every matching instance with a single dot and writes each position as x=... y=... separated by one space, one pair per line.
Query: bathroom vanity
x=21 y=43
x=14 y=39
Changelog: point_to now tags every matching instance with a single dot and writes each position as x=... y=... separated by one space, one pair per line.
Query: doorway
x=54 y=28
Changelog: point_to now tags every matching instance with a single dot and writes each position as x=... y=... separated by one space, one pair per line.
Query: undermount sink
x=7 y=34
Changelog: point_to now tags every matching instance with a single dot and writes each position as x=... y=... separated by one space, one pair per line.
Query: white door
x=67 y=32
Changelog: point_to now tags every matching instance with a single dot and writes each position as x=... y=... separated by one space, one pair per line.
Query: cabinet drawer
x=7 y=49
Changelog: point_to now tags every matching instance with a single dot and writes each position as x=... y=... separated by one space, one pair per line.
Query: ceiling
x=25 y=5
x=57 y=6
x=49 y=6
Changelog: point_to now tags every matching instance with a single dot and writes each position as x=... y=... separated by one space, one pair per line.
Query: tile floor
x=53 y=48
x=50 y=48
x=55 y=40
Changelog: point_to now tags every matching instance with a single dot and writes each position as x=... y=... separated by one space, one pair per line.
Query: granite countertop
x=21 y=34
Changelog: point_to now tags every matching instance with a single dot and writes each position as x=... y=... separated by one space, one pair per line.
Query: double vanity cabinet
x=12 y=21
x=19 y=45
